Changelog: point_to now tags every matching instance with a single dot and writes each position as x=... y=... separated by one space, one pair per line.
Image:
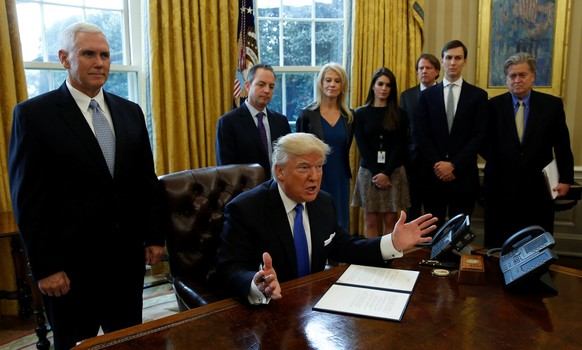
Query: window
x=297 y=37
x=41 y=23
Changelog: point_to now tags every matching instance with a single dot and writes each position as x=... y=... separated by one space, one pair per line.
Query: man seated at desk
x=288 y=223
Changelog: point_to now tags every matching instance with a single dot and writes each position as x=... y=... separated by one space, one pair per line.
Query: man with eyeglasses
x=527 y=129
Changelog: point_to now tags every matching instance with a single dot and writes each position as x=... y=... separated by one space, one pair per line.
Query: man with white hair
x=286 y=228
x=85 y=195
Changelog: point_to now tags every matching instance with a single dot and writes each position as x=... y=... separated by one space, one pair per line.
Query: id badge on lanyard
x=381 y=152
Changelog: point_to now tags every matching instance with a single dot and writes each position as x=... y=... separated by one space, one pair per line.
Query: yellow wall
x=446 y=20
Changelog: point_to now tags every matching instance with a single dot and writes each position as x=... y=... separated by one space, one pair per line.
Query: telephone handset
x=526 y=254
x=454 y=234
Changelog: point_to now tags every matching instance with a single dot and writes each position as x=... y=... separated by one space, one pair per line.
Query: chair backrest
x=195 y=201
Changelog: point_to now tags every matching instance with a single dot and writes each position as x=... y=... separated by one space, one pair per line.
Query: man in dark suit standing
x=288 y=223
x=246 y=134
x=428 y=68
x=85 y=195
x=520 y=144
x=452 y=117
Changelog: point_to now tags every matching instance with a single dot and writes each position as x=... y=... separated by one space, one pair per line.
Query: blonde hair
x=343 y=96
x=297 y=144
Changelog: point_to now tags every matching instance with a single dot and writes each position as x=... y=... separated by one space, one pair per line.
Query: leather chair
x=195 y=201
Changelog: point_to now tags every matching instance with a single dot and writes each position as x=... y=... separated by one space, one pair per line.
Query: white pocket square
x=328 y=241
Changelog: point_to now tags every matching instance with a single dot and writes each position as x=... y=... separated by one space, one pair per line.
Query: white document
x=370 y=291
x=364 y=301
x=552 y=177
x=377 y=277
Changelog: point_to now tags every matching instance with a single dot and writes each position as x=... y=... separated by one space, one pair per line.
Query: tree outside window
x=298 y=37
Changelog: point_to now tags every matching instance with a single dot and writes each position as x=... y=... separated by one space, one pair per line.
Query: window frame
x=133 y=46
x=282 y=70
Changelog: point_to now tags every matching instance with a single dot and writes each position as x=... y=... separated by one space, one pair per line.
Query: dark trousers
x=110 y=301
x=445 y=203
x=506 y=216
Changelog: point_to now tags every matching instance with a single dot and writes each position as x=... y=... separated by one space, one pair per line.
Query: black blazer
x=408 y=102
x=256 y=222
x=238 y=140
x=512 y=167
x=464 y=142
x=310 y=121
x=71 y=213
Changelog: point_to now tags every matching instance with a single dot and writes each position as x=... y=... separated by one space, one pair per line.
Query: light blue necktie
x=104 y=134
x=300 y=243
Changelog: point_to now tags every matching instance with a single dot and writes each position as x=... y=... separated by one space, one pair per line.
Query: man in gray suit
x=428 y=68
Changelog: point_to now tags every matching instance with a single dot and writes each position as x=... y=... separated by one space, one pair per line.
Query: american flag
x=247 y=47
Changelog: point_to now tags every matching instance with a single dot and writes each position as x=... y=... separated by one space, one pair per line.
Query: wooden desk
x=441 y=314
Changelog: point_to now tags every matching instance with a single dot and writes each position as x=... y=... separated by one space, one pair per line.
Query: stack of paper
x=370 y=291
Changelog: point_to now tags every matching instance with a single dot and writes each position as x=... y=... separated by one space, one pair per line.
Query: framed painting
x=538 y=27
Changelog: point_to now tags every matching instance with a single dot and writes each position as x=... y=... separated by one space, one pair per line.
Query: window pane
x=56 y=19
x=105 y=4
x=328 y=43
x=299 y=92
x=269 y=42
x=329 y=8
x=31 y=33
x=268 y=8
x=296 y=9
x=68 y=2
x=122 y=84
x=276 y=103
x=39 y=81
x=297 y=43
x=110 y=23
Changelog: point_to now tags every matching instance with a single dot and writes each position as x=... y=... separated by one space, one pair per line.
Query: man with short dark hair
x=246 y=134
x=428 y=68
x=516 y=193
x=452 y=117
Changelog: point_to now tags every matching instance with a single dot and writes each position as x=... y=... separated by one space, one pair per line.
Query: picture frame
x=539 y=27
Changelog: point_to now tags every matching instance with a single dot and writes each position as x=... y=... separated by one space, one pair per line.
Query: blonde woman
x=330 y=119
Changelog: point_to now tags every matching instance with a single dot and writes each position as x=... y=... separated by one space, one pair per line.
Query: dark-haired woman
x=381 y=131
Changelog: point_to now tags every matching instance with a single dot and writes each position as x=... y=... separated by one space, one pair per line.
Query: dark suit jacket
x=72 y=214
x=408 y=102
x=256 y=222
x=238 y=140
x=516 y=194
x=310 y=121
x=464 y=142
x=514 y=168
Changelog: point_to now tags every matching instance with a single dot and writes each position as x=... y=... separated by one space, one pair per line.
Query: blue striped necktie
x=104 y=134
x=300 y=243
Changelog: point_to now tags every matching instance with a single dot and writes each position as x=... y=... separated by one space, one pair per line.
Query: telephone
x=455 y=234
x=526 y=254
